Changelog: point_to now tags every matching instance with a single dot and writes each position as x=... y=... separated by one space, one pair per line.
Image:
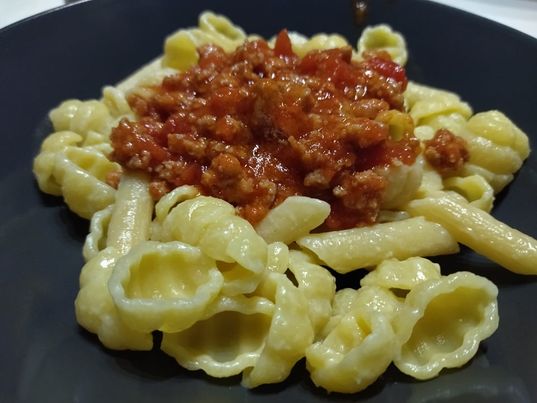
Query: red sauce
x=258 y=125
x=446 y=152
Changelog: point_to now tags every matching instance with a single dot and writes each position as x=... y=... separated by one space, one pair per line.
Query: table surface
x=518 y=14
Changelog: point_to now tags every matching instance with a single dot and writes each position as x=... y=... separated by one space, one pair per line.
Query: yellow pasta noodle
x=445 y=319
x=480 y=231
x=358 y=248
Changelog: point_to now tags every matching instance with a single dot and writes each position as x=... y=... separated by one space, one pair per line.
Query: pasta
x=236 y=273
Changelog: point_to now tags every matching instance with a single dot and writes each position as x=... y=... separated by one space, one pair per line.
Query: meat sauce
x=446 y=152
x=260 y=124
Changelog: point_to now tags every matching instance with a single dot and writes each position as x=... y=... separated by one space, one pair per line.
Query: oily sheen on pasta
x=233 y=266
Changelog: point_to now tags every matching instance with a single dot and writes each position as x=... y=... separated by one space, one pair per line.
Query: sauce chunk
x=258 y=125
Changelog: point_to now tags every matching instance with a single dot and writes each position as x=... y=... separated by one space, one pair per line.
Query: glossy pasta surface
x=231 y=296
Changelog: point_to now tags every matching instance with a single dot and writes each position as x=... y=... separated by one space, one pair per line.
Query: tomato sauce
x=258 y=125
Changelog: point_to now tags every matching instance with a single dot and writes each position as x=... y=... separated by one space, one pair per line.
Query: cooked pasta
x=237 y=274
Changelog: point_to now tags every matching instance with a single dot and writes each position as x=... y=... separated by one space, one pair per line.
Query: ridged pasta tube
x=443 y=322
x=480 y=231
x=129 y=225
x=356 y=248
x=295 y=217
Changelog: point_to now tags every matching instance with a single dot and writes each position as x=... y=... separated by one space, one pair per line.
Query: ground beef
x=258 y=125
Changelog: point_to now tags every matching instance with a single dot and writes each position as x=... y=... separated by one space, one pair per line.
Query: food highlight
x=227 y=179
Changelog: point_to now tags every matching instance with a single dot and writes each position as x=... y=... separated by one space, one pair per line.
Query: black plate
x=74 y=51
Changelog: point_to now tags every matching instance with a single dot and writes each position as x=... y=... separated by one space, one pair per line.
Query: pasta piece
x=164 y=286
x=81 y=117
x=403 y=183
x=95 y=310
x=277 y=257
x=81 y=175
x=229 y=338
x=354 y=354
x=43 y=166
x=180 y=48
x=402 y=275
x=498 y=128
x=94 y=307
x=289 y=335
x=317 y=285
x=211 y=224
x=382 y=38
x=474 y=188
x=356 y=248
x=480 y=231
x=302 y=45
x=295 y=217
x=497 y=147
x=444 y=322
x=116 y=102
x=96 y=239
x=166 y=204
x=131 y=215
x=426 y=102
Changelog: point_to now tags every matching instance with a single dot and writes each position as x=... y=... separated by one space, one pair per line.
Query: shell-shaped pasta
x=81 y=116
x=354 y=354
x=164 y=286
x=356 y=248
x=444 y=322
x=166 y=204
x=81 y=175
x=220 y=25
x=383 y=38
x=95 y=309
x=497 y=147
x=496 y=181
x=302 y=44
x=96 y=238
x=289 y=335
x=371 y=298
x=229 y=338
x=172 y=199
x=474 y=188
x=43 y=166
x=498 y=128
x=402 y=275
x=426 y=102
x=180 y=47
x=212 y=225
x=317 y=285
x=295 y=217
x=116 y=102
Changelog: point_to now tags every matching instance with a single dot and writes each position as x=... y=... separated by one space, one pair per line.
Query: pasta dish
x=227 y=181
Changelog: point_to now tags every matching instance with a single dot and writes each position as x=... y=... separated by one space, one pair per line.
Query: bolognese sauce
x=260 y=124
